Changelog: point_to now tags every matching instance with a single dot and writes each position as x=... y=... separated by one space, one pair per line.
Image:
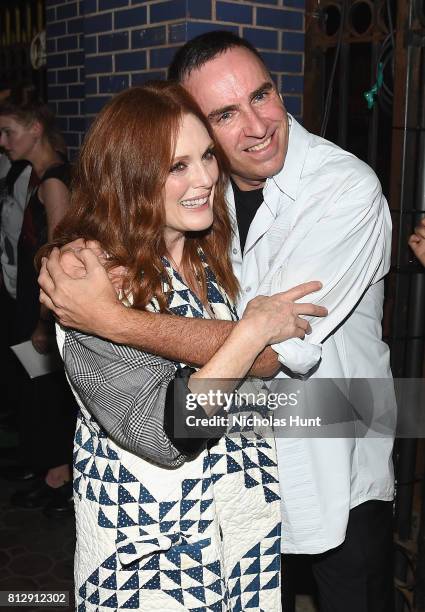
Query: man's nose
x=254 y=124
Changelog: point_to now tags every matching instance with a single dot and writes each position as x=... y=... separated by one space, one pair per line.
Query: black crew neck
x=246 y=203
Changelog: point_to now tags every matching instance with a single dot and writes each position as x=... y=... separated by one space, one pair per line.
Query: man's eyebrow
x=266 y=86
x=224 y=109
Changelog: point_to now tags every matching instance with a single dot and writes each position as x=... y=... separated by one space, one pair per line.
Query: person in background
x=417 y=241
x=14 y=178
x=47 y=413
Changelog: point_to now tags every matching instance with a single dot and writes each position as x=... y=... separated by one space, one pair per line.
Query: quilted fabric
x=202 y=536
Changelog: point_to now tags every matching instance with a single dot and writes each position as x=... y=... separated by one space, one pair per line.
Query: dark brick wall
x=98 y=47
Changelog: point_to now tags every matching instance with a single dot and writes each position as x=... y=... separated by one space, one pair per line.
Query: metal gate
x=365 y=90
x=22 y=25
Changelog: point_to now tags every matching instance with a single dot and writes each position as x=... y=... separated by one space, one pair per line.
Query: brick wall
x=98 y=47
x=65 y=67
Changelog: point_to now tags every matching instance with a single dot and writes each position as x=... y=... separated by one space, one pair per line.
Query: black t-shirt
x=246 y=203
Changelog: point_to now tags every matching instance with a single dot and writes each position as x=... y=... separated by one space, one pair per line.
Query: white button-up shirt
x=324 y=218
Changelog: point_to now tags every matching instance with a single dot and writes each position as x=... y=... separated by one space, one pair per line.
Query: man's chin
x=270 y=168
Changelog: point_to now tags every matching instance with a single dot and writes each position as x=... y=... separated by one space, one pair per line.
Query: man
x=302 y=209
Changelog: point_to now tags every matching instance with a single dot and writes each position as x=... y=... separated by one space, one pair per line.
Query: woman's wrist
x=250 y=336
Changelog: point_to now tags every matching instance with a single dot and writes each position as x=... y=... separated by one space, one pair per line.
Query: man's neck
x=245 y=184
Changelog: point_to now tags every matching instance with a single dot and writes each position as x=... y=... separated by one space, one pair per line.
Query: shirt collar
x=288 y=178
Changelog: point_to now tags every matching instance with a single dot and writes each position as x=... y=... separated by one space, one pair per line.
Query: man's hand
x=74 y=266
x=417 y=242
x=71 y=263
x=77 y=300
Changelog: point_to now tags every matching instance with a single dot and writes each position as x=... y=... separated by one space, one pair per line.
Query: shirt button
x=247 y=289
x=235 y=251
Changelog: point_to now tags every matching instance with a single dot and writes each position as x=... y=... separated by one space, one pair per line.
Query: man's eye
x=224 y=117
x=178 y=167
x=261 y=95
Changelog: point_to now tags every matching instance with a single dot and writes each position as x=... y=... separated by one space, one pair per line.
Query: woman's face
x=189 y=189
x=17 y=140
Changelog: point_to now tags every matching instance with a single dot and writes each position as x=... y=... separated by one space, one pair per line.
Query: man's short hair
x=200 y=50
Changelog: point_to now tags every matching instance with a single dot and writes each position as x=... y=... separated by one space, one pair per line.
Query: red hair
x=117 y=193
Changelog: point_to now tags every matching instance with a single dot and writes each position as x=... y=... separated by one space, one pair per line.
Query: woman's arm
x=54 y=195
x=265 y=319
x=125 y=389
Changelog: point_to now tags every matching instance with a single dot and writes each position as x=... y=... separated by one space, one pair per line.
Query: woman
x=28 y=132
x=166 y=523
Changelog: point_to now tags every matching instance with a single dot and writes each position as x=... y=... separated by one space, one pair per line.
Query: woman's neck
x=175 y=244
x=43 y=157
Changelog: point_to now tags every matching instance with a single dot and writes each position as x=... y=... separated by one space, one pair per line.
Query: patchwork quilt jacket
x=156 y=535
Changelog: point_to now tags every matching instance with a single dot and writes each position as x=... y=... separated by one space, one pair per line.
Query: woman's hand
x=266 y=320
x=42 y=337
x=417 y=242
x=277 y=318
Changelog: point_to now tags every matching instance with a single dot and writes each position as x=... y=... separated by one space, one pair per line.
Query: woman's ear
x=36 y=129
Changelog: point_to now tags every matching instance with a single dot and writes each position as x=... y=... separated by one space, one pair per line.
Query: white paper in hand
x=35 y=363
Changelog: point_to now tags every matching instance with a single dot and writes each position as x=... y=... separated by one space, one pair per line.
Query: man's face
x=236 y=93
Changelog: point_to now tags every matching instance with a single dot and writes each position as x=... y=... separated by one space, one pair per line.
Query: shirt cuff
x=188 y=440
x=297 y=355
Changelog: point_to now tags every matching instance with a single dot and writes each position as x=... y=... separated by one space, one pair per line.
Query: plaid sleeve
x=125 y=390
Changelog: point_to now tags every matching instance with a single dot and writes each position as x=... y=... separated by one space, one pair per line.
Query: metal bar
x=372 y=151
x=419 y=593
x=410 y=287
x=344 y=71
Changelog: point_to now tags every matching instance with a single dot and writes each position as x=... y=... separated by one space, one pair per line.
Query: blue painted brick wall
x=65 y=61
x=98 y=47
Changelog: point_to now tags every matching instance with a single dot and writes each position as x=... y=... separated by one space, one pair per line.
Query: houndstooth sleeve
x=125 y=390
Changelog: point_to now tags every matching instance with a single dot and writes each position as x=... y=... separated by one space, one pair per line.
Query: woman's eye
x=178 y=167
x=209 y=154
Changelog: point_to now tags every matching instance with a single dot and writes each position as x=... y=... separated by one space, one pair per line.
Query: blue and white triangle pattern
x=181 y=574
x=162 y=543
x=190 y=572
x=251 y=454
x=185 y=303
x=123 y=501
x=256 y=573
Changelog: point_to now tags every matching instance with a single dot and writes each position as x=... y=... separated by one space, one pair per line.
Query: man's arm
x=90 y=303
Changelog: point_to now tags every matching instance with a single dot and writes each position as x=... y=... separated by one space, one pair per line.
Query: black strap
x=15 y=171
